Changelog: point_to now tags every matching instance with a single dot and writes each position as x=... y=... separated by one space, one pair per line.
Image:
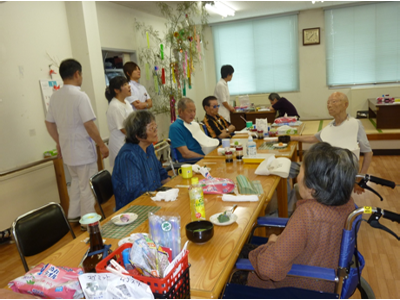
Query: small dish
x=279 y=145
x=124 y=219
x=214 y=219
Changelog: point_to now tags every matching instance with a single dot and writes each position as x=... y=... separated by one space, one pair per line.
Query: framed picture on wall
x=311 y=36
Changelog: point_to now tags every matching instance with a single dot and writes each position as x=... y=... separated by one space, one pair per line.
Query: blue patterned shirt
x=135 y=172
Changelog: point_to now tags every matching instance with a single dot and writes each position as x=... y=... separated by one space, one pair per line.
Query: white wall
x=310 y=100
x=28 y=30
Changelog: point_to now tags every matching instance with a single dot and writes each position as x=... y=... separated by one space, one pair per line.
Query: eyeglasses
x=215 y=106
x=152 y=128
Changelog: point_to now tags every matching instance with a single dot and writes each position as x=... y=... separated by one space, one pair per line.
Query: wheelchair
x=347 y=277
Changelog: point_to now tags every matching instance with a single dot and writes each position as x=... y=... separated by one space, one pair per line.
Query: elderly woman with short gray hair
x=314 y=231
x=136 y=168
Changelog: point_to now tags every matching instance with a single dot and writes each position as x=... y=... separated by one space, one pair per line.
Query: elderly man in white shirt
x=222 y=92
x=140 y=98
x=70 y=122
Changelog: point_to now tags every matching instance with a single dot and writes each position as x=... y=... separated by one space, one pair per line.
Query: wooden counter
x=239 y=124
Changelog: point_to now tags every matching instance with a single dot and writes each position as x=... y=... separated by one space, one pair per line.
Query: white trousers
x=81 y=199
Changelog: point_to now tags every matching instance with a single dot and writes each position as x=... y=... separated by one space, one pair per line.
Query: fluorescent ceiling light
x=221 y=8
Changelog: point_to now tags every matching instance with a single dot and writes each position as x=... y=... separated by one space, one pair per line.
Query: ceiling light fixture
x=221 y=8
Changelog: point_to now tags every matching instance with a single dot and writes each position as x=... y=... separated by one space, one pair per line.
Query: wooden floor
x=380 y=250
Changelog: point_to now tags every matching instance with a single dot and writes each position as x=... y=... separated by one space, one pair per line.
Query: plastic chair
x=345 y=277
x=40 y=229
x=102 y=188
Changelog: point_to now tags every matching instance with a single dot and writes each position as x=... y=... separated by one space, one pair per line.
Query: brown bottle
x=96 y=243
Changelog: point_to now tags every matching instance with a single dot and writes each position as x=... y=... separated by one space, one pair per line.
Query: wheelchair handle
x=377 y=180
x=391 y=216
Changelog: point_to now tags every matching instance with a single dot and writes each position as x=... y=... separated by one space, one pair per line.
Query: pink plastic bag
x=48 y=281
x=285 y=120
x=217 y=185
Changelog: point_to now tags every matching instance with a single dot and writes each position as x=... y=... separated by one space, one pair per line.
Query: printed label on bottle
x=200 y=210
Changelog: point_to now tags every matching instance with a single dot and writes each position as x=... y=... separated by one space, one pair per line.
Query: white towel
x=239 y=198
x=207 y=144
x=169 y=195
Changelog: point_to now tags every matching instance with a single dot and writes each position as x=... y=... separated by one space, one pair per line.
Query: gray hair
x=183 y=102
x=135 y=125
x=331 y=173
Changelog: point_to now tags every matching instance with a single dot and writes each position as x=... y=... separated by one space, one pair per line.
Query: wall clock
x=311 y=36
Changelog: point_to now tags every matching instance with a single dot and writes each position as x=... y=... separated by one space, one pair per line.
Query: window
x=263 y=52
x=363 y=44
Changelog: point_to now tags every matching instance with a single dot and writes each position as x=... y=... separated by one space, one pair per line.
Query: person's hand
x=358 y=189
x=272 y=238
x=59 y=154
x=104 y=151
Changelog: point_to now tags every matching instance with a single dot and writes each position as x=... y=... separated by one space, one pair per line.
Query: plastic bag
x=148 y=259
x=285 y=120
x=48 y=281
x=213 y=185
x=111 y=286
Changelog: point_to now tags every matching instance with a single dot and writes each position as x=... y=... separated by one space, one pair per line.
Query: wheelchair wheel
x=365 y=290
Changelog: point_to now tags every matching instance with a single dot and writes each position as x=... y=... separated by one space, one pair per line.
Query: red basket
x=176 y=285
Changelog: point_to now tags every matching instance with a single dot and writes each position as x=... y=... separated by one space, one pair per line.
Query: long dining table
x=211 y=262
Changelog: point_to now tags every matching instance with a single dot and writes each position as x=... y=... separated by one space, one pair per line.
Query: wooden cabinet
x=239 y=123
x=386 y=114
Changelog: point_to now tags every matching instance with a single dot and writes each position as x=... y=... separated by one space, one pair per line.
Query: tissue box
x=285 y=131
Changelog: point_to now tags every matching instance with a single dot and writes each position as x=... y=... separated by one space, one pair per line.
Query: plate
x=130 y=216
x=128 y=240
x=214 y=219
x=279 y=146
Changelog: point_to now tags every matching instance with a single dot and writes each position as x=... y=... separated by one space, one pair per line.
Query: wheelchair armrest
x=312 y=272
x=273 y=222
x=296 y=270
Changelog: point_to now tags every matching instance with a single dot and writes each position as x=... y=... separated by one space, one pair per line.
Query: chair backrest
x=101 y=186
x=40 y=229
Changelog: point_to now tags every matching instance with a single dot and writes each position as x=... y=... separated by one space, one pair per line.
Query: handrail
x=35 y=163
x=32 y=164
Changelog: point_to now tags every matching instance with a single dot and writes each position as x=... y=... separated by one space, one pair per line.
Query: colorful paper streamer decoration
x=147 y=71
x=162 y=76
x=155 y=77
x=148 y=40
x=184 y=88
x=162 y=51
x=173 y=73
x=172 y=106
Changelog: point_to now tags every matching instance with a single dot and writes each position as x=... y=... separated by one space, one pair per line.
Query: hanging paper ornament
x=176 y=34
x=184 y=88
x=155 y=77
x=155 y=68
x=162 y=76
x=173 y=73
x=190 y=83
x=148 y=40
x=198 y=46
x=182 y=32
x=190 y=38
x=162 y=51
x=147 y=71
x=176 y=69
x=172 y=106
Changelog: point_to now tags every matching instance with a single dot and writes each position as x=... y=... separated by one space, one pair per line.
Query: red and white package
x=285 y=120
x=48 y=281
x=217 y=185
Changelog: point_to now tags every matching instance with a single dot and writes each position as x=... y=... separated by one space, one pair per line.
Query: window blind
x=363 y=44
x=263 y=52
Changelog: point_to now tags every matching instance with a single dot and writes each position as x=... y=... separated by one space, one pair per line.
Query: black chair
x=40 y=229
x=102 y=188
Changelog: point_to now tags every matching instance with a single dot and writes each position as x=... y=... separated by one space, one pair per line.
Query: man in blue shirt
x=181 y=138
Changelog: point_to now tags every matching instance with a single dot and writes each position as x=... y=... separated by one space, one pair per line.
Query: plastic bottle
x=197 y=209
x=251 y=147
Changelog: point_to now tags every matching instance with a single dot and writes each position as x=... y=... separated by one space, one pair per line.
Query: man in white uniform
x=140 y=99
x=70 y=122
x=222 y=92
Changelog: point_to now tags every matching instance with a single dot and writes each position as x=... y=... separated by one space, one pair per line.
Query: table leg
x=300 y=151
x=282 y=194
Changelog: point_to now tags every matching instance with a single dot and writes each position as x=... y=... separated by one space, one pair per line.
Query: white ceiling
x=244 y=9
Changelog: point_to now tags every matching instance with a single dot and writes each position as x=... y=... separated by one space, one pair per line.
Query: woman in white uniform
x=118 y=110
